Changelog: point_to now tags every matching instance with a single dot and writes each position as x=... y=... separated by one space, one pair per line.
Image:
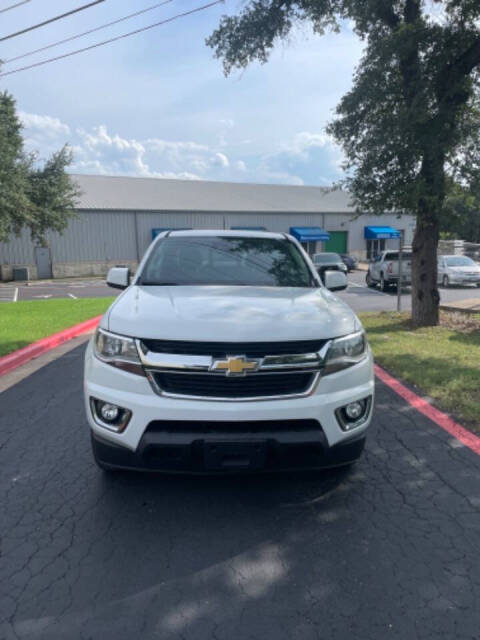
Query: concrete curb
x=15 y=359
x=441 y=419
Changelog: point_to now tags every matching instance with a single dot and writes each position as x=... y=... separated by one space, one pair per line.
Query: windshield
x=320 y=258
x=459 y=261
x=223 y=260
x=394 y=255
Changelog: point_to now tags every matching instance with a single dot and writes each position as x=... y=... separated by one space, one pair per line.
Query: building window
x=374 y=247
x=310 y=247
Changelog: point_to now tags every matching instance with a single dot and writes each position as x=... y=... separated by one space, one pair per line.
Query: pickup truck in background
x=384 y=269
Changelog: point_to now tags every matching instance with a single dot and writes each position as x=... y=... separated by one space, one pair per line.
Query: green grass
x=24 y=322
x=443 y=362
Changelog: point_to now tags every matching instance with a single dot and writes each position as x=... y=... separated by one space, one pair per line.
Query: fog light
x=354 y=414
x=354 y=410
x=109 y=412
x=109 y=415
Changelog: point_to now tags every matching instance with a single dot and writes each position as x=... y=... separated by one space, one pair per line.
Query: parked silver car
x=458 y=270
x=328 y=262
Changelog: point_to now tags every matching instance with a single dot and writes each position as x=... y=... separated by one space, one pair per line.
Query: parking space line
x=8 y=294
x=364 y=286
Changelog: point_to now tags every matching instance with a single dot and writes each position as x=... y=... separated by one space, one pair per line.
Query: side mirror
x=118 y=277
x=335 y=280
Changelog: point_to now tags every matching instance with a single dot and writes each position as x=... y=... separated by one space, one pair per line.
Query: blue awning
x=379 y=233
x=309 y=234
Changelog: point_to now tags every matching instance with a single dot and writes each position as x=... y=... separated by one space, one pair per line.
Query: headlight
x=345 y=352
x=118 y=351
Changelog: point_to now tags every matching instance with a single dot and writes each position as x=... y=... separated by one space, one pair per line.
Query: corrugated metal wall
x=105 y=236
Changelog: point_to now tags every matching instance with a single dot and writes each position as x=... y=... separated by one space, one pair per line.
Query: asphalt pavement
x=389 y=549
x=361 y=298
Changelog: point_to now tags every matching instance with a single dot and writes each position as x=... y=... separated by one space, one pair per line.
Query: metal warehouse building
x=119 y=216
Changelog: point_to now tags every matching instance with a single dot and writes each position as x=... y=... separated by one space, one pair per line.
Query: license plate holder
x=231 y=456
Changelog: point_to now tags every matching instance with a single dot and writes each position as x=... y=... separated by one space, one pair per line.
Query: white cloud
x=46 y=125
x=221 y=160
x=305 y=158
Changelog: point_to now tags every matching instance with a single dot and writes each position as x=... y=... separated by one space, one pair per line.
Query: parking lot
x=361 y=298
x=358 y=295
x=390 y=549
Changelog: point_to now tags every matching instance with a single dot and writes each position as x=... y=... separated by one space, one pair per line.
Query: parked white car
x=227 y=353
x=458 y=270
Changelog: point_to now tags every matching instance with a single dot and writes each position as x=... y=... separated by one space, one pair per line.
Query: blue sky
x=157 y=104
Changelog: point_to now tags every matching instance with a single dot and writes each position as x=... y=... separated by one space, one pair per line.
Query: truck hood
x=223 y=313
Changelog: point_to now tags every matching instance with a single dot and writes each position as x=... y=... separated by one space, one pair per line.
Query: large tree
x=411 y=120
x=33 y=196
x=461 y=217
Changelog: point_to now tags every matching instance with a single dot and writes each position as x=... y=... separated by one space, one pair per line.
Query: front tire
x=383 y=284
x=445 y=282
x=370 y=283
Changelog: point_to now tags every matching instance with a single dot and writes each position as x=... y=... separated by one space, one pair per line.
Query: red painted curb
x=15 y=359
x=441 y=419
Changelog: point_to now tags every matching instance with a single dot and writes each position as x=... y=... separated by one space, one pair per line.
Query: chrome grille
x=233 y=371
x=207 y=385
x=222 y=349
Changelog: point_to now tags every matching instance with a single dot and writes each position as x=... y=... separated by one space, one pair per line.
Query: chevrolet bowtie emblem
x=236 y=365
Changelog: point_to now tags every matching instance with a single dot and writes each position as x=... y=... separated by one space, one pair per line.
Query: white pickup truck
x=226 y=352
x=384 y=269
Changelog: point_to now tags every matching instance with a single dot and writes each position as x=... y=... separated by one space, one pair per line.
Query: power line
x=125 y=35
x=42 y=24
x=14 y=6
x=86 y=33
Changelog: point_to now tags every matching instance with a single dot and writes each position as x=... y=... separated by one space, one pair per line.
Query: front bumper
x=459 y=279
x=158 y=453
x=142 y=446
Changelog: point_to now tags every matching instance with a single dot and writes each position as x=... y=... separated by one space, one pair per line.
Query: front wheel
x=383 y=284
x=445 y=282
x=370 y=283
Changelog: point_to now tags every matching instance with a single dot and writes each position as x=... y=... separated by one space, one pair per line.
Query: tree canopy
x=411 y=121
x=34 y=196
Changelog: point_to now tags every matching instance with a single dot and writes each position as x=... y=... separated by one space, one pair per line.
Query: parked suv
x=328 y=262
x=458 y=270
x=227 y=353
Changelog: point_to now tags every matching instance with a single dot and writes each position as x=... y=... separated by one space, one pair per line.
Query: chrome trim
x=177 y=362
x=179 y=396
x=301 y=360
x=174 y=361
x=350 y=426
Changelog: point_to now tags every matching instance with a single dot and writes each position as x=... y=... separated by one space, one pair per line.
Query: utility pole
x=400 y=274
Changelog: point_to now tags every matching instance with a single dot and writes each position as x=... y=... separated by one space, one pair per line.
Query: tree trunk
x=425 y=295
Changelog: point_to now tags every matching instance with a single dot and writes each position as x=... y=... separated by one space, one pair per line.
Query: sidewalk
x=471 y=305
